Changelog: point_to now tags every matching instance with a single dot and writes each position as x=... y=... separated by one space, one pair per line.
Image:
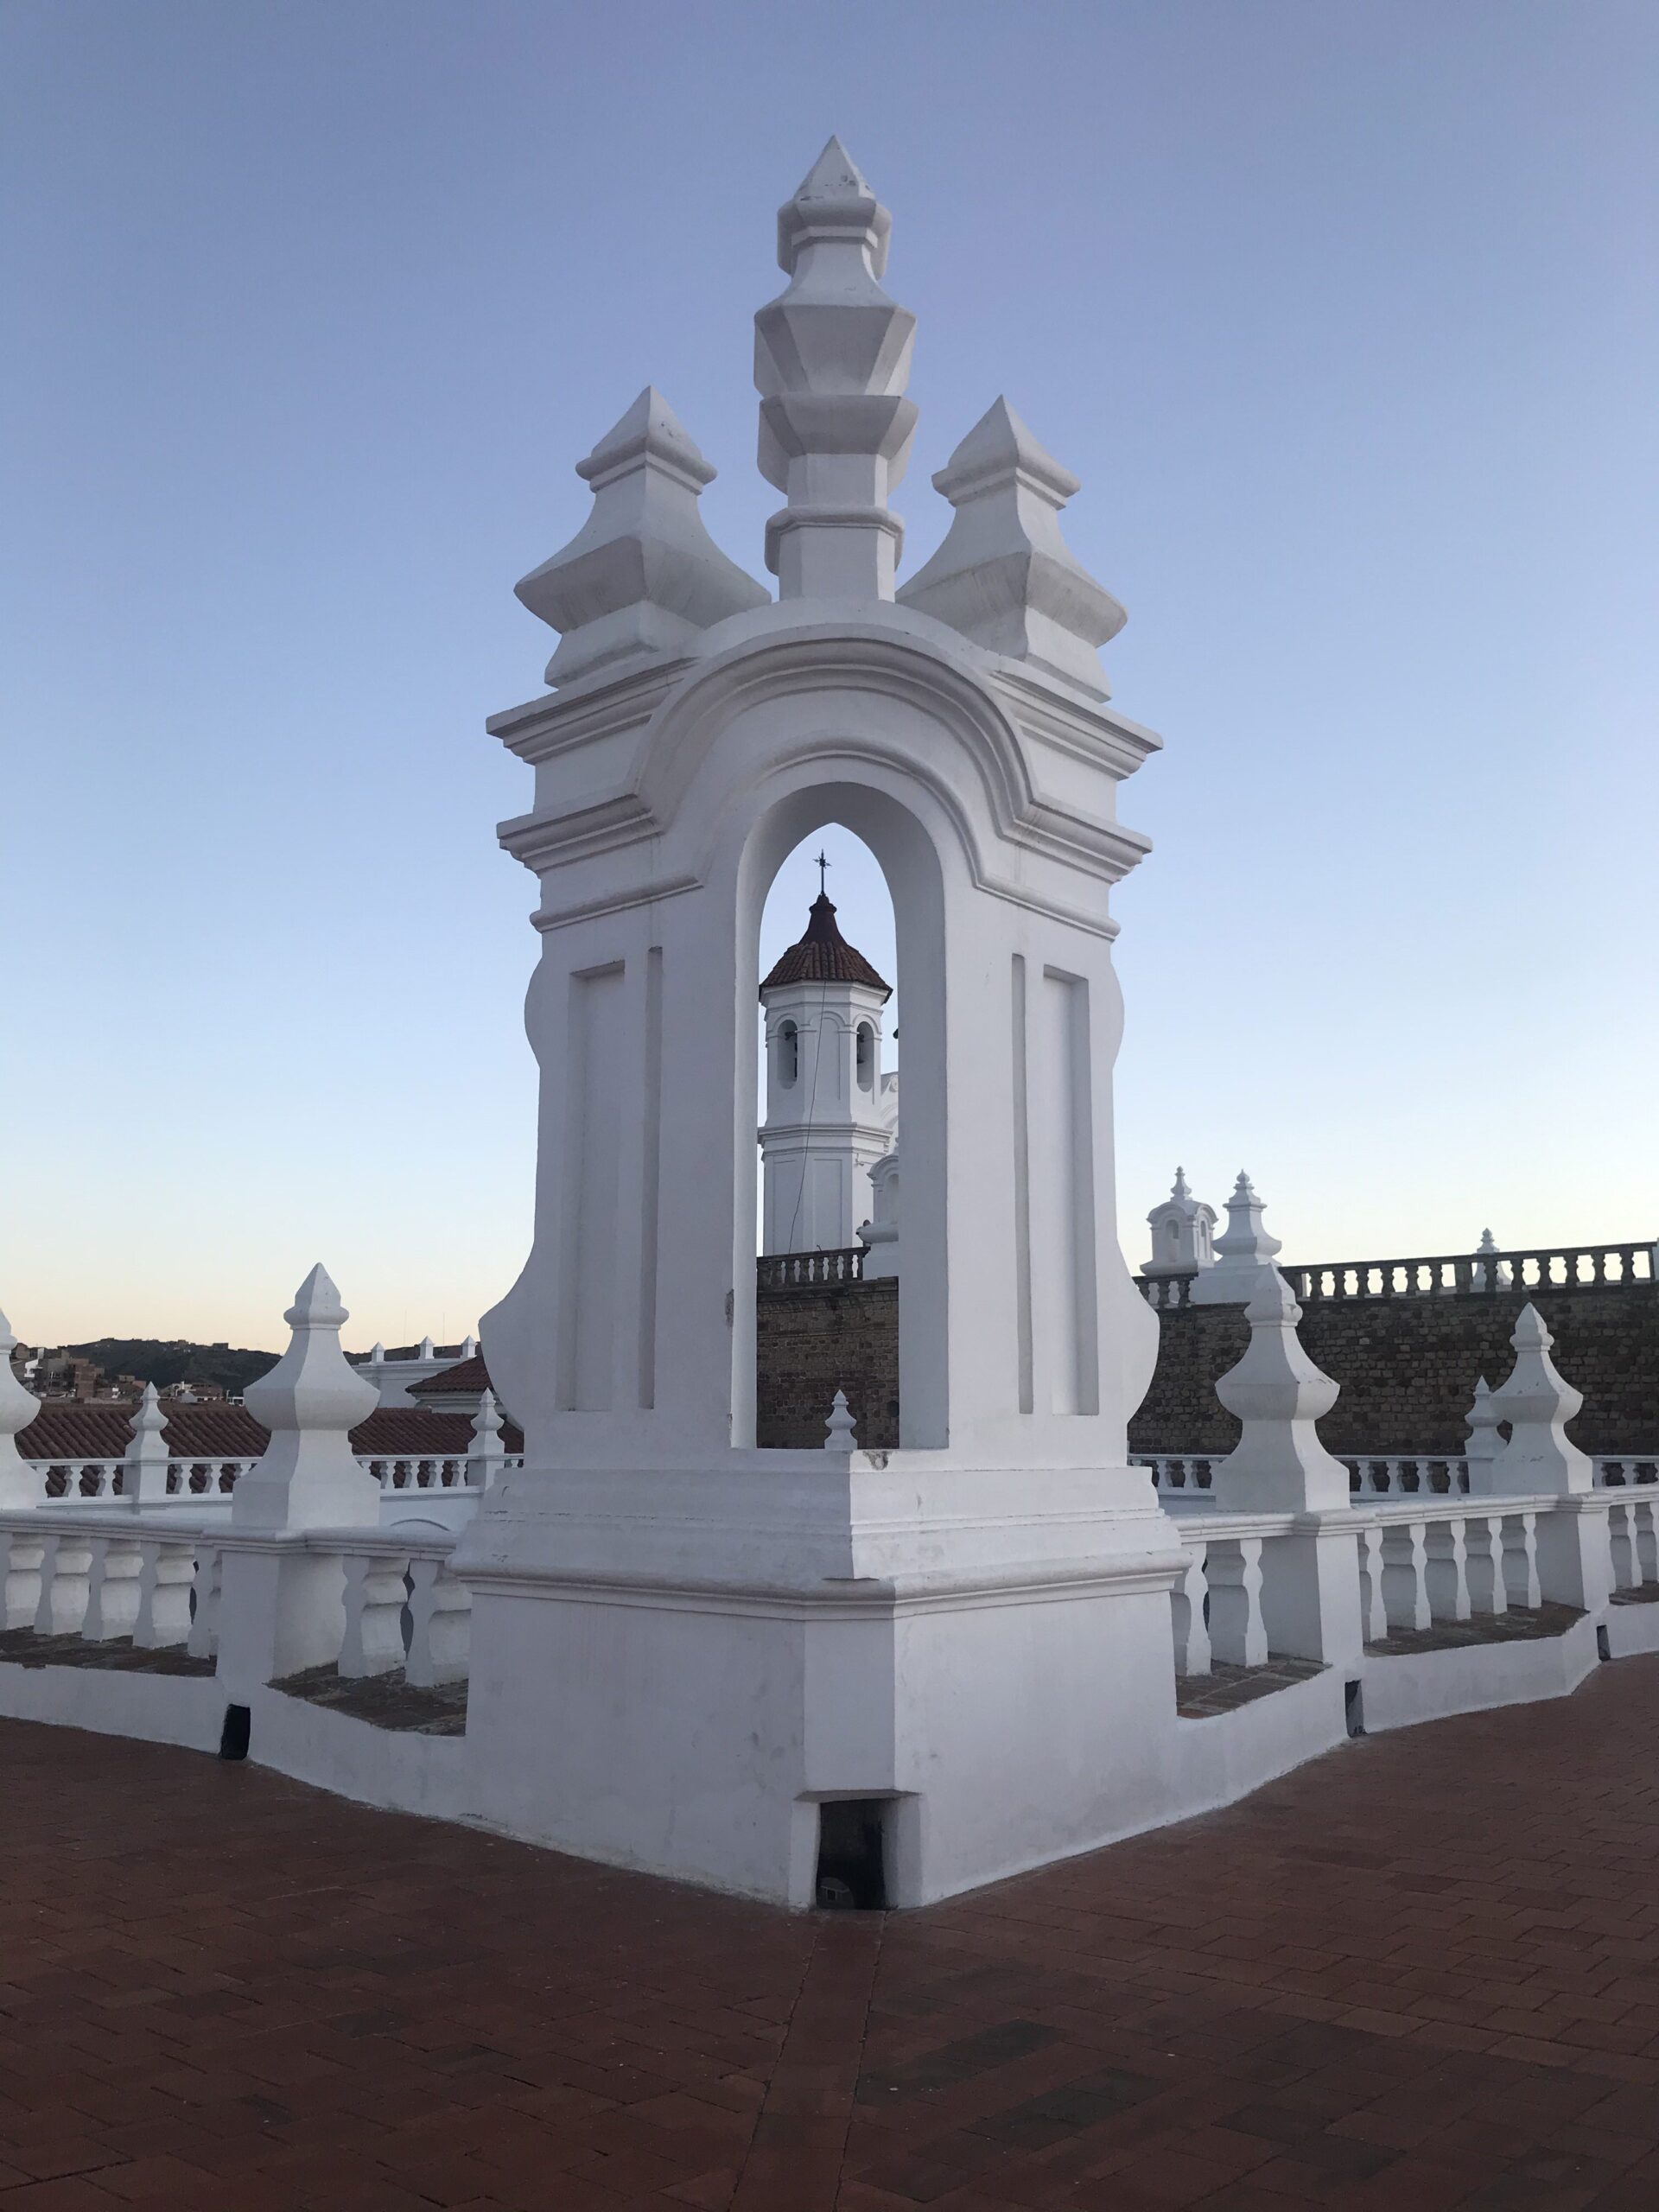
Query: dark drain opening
x=851 y=1870
x=1353 y=1699
x=234 y=1737
x=1604 y=1649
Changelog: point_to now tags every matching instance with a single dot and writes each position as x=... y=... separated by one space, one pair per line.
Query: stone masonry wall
x=812 y=1343
x=1406 y=1366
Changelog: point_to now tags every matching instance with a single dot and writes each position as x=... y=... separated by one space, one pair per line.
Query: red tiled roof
x=416 y=1433
x=467 y=1375
x=823 y=955
x=65 y=1430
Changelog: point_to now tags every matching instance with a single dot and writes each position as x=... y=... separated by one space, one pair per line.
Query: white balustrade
x=1419 y=1564
x=1406 y=1474
x=159 y=1583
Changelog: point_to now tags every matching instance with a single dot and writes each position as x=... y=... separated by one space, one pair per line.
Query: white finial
x=469 y=1347
x=316 y=1303
x=1537 y=1402
x=310 y=1402
x=1279 y=1464
x=642 y=577
x=1243 y=1255
x=377 y=1354
x=144 y=1465
x=1485 y=1444
x=484 y=1460
x=22 y=1482
x=1004 y=575
x=841 y=1426
x=1177 y=1189
x=831 y=361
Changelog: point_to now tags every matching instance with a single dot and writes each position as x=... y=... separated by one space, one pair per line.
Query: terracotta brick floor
x=1423 y=1972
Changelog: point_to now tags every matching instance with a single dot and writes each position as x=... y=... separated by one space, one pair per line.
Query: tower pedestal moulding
x=684 y=1647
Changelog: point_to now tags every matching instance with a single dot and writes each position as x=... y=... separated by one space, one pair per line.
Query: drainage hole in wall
x=852 y=1876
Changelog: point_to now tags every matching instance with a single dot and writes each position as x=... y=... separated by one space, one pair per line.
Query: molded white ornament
x=1537 y=1402
x=310 y=1402
x=1243 y=1255
x=1004 y=575
x=143 y=1467
x=1279 y=1465
x=642 y=576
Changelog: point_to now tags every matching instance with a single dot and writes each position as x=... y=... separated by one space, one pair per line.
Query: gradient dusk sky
x=1346 y=316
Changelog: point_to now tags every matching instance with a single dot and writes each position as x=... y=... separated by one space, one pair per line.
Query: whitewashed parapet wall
x=682 y=1644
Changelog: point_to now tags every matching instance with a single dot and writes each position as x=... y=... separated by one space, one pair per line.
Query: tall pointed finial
x=312 y=1398
x=1177 y=1189
x=1538 y=1401
x=1243 y=1255
x=1004 y=575
x=831 y=361
x=144 y=1467
x=642 y=576
x=1279 y=1464
x=485 y=1457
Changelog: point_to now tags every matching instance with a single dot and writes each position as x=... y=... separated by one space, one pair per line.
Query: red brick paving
x=1422 y=1973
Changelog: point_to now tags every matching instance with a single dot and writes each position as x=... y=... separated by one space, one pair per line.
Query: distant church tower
x=831 y=1112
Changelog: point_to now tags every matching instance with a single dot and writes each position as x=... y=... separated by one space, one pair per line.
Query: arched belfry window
x=866 y=1057
x=789 y=1055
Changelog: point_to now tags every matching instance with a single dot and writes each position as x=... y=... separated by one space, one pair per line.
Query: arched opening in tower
x=827 y=1307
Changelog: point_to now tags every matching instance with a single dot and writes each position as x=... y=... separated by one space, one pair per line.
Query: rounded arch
x=914 y=845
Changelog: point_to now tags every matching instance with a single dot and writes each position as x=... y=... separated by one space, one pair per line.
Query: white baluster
x=21 y=1554
x=1405 y=1580
x=202 y=1642
x=112 y=1589
x=1484 y=1534
x=1621 y=1539
x=1186 y=1616
x=164 y=1580
x=1373 y=1615
x=65 y=1567
x=441 y=1614
x=375 y=1598
x=1237 y=1635
x=1647 y=1551
x=1446 y=1571
x=1520 y=1560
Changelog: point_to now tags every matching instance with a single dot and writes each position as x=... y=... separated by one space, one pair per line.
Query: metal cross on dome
x=823 y=866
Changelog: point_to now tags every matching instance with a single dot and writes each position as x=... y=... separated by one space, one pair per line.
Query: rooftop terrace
x=1423 y=1972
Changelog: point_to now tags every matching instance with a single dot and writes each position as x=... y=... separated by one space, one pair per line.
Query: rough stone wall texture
x=812 y=1343
x=1407 y=1368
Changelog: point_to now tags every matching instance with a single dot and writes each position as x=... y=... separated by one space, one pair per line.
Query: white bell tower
x=829 y=1110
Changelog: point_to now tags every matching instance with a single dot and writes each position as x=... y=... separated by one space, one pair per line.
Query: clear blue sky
x=1345 y=314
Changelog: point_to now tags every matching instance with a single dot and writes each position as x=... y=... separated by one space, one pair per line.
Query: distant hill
x=153 y=1360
